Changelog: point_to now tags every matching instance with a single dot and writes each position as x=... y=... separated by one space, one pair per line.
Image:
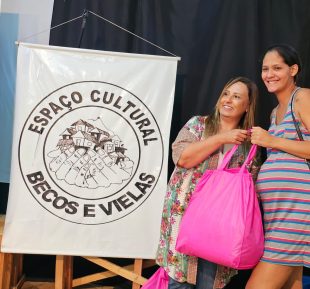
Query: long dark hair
x=247 y=121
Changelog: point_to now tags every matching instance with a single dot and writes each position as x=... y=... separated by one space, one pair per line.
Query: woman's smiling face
x=276 y=74
x=234 y=101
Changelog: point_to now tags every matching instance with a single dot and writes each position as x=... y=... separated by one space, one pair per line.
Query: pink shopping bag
x=159 y=280
x=222 y=222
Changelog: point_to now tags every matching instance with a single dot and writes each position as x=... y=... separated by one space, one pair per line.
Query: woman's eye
x=236 y=96
x=264 y=69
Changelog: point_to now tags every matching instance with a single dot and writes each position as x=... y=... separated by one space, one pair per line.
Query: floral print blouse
x=181 y=185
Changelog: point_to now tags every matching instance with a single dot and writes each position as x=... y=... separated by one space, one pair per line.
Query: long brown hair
x=212 y=123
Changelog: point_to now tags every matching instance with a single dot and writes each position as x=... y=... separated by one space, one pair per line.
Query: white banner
x=90 y=151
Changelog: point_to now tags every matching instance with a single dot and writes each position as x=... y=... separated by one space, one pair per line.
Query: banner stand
x=12 y=277
x=64 y=272
x=11 y=266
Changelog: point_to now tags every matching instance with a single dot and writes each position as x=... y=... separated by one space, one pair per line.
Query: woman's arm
x=196 y=152
x=300 y=149
x=302 y=107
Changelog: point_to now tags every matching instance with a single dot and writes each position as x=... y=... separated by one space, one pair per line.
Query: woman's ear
x=294 y=69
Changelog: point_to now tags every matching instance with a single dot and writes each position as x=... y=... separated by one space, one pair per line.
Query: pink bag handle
x=250 y=156
x=230 y=153
x=227 y=157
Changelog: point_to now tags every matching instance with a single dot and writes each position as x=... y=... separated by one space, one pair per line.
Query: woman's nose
x=228 y=98
x=269 y=73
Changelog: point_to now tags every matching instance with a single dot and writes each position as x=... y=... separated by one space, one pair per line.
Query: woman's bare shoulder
x=303 y=97
x=303 y=92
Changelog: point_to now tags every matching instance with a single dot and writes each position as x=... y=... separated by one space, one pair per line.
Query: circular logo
x=90 y=152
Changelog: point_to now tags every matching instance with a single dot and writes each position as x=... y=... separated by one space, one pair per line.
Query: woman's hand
x=234 y=136
x=197 y=152
x=261 y=137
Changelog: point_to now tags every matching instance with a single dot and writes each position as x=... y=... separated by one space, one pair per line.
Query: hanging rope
x=109 y=21
x=49 y=29
x=132 y=33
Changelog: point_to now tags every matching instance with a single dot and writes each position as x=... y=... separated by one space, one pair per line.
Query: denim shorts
x=206 y=273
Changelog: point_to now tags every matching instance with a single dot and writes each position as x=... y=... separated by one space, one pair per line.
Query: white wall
x=34 y=17
x=19 y=19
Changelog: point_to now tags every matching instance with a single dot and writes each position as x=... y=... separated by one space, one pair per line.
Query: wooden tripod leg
x=63 y=272
x=137 y=268
x=6 y=265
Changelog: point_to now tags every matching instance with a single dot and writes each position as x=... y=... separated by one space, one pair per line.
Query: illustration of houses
x=82 y=125
x=83 y=140
x=92 y=140
x=66 y=142
x=82 y=134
